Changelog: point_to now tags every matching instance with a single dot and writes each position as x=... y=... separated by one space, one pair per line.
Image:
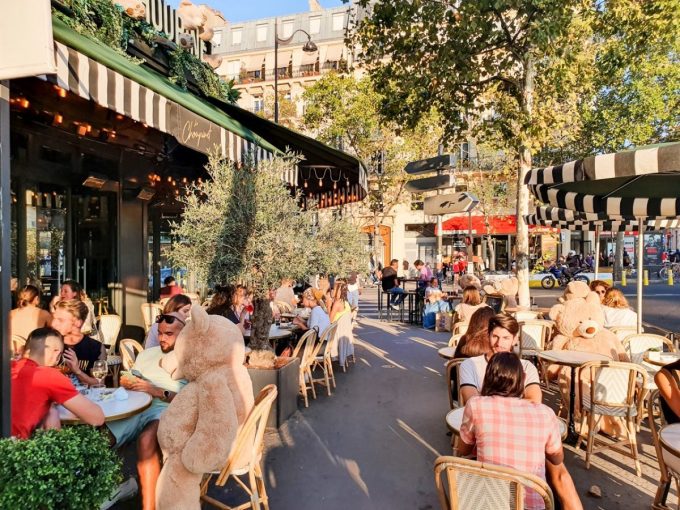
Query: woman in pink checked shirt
x=514 y=432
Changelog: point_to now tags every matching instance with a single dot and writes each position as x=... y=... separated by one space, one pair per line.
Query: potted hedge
x=70 y=468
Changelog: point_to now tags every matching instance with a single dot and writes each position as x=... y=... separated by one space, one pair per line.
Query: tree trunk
x=618 y=257
x=491 y=247
x=522 y=241
x=261 y=322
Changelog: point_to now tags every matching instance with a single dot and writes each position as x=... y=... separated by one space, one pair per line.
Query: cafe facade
x=100 y=152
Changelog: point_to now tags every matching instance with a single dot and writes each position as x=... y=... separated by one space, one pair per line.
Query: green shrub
x=70 y=468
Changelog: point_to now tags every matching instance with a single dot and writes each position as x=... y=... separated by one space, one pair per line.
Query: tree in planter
x=58 y=469
x=245 y=226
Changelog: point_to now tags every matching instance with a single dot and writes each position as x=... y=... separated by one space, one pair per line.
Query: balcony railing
x=289 y=72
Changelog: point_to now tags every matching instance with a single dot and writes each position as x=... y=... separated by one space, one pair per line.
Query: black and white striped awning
x=602 y=225
x=92 y=80
x=549 y=213
x=628 y=184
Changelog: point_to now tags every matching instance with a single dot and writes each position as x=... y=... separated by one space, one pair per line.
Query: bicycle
x=673 y=266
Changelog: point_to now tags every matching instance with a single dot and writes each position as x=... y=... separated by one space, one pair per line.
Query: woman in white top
x=312 y=298
x=471 y=302
x=616 y=310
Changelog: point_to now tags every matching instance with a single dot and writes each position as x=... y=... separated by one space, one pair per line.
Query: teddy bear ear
x=592 y=298
x=556 y=311
x=200 y=318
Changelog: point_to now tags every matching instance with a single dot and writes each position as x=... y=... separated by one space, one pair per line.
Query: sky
x=242 y=10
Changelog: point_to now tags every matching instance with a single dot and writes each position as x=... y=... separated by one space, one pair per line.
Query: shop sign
x=164 y=19
x=192 y=130
x=26 y=39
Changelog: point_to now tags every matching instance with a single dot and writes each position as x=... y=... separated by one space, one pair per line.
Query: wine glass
x=99 y=370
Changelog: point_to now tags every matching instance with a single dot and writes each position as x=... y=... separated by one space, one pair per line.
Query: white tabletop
x=571 y=358
x=670 y=436
x=136 y=402
x=661 y=359
x=454 y=419
x=275 y=332
x=447 y=352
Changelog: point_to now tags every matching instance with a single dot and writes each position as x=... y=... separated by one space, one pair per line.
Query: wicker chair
x=129 y=349
x=323 y=361
x=453 y=382
x=305 y=350
x=611 y=392
x=534 y=335
x=18 y=344
x=526 y=315
x=464 y=484
x=622 y=332
x=459 y=328
x=283 y=306
x=246 y=456
x=149 y=313
x=453 y=341
x=109 y=328
x=669 y=471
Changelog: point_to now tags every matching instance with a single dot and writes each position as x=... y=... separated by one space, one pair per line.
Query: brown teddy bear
x=197 y=430
x=580 y=327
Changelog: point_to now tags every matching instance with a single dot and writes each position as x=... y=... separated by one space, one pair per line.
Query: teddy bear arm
x=177 y=423
x=215 y=429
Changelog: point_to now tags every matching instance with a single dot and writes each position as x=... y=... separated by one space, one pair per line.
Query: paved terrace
x=372 y=444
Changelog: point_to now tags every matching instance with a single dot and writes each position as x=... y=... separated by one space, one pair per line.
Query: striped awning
x=603 y=225
x=549 y=213
x=629 y=184
x=91 y=80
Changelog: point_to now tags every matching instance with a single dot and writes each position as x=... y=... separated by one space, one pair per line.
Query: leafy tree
x=343 y=110
x=245 y=226
x=517 y=73
x=287 y=110
x=337 y=248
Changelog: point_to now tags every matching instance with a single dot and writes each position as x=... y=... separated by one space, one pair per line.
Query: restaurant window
x=287 y=29
x=315 y=25
x=338 y=21
x=261 y=34
x=236 y=36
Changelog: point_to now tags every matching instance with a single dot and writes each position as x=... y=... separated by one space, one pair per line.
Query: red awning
x=501 y=225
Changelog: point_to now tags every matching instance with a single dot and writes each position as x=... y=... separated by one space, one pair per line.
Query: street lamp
x=309 y=47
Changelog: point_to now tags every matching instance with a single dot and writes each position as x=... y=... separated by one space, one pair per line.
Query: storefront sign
x=192 y=130
x=164 y=19
x=26 y=39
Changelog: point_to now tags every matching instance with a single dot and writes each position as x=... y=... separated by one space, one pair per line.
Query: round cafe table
x=275 y=332
x=663 y=359
x=136 y=402
x=447 y=352
x=573 y=360
x=454 y=420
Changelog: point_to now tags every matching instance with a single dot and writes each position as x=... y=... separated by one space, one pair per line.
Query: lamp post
x=309 y=47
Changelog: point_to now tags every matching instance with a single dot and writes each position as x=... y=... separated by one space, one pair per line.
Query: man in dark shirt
x=81 y=351
x=390 y=284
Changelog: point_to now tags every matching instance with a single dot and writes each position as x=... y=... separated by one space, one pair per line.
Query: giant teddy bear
x=579 y=320
x=198 y=429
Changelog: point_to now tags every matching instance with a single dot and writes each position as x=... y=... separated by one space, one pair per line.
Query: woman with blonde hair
x=470 y=303
x=616 y=310
x=340 y=305
x=28 y=315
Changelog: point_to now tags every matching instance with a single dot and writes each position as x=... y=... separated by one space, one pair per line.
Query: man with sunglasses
x=148 y=376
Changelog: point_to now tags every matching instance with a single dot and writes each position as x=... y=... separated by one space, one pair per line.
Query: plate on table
x=286 y=325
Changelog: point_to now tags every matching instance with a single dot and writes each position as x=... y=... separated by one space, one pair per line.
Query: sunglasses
x=169 y=319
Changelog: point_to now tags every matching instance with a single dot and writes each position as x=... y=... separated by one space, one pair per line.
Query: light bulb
x=320 y=183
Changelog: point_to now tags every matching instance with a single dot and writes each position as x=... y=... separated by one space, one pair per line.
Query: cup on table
x=96 y=391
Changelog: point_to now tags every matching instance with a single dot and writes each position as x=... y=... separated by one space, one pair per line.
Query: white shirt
x=472 y=372
x=619 y=317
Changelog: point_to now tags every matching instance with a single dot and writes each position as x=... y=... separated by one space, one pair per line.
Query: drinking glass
x=99 y=370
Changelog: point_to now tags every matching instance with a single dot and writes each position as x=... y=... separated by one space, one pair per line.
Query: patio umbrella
x=643 y=183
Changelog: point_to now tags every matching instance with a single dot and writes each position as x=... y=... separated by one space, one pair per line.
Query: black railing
x=290 y=72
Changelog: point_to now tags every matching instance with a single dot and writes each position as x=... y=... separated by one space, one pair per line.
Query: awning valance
x=96 y=72
x=309 y=58
x=639 y=183
x=497 y=225
x=601 y=226
x=334 y=53
x=252 y=62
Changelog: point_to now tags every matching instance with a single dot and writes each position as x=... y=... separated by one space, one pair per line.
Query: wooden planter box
x=286 y=381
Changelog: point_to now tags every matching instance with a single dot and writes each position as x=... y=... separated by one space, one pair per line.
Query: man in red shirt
x=36 y=386
x=170 y=288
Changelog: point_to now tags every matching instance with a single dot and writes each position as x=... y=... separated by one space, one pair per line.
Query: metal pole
x=640 y=249
x=5 y=262
x=470 y=265
x=276 y=70
x=597 y=251
x=438 y=256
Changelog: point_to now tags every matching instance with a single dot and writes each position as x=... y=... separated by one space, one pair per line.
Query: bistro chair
x=526 y=315
x=453 y=382
x=611 y=392
x=464 y=484
x=534 y=335
x=18 y=344
x=453 y=341
x=495 y=301
x=306 y=347
x=669 y=462
x=636 y=346
x=109 y=328
x=460 y=328
x=343 y=349
x=323 y=361
x=245 y=458
x=149 y=313
x=129 y=349
x=622 y=332
x=284 y=307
